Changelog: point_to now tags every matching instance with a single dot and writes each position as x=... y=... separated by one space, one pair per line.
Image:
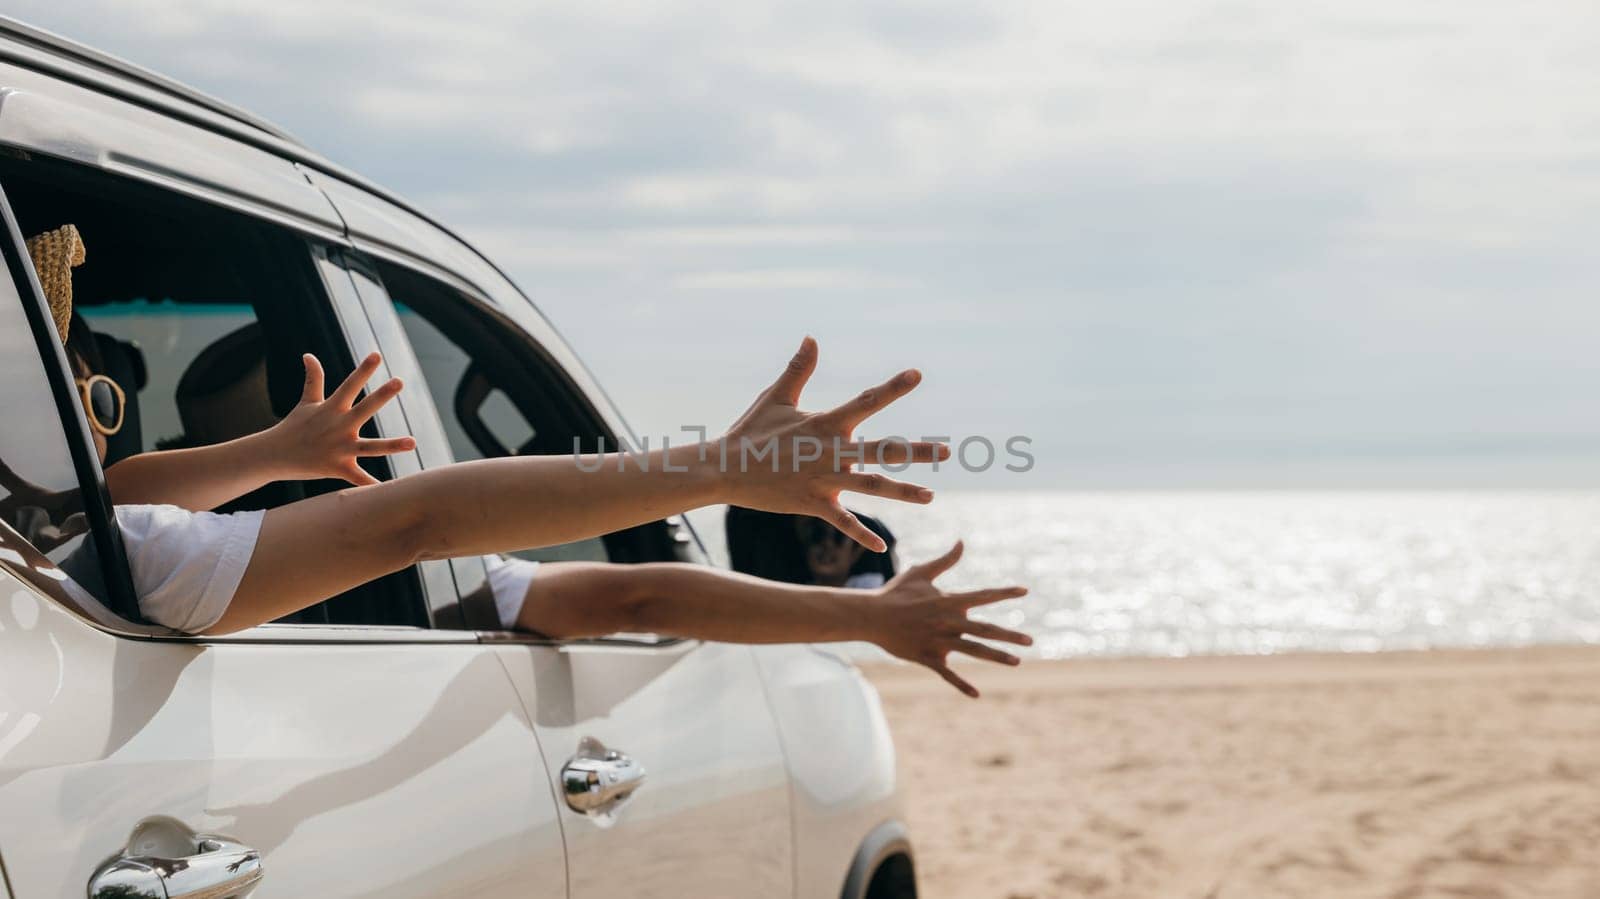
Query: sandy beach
x=1398 y=775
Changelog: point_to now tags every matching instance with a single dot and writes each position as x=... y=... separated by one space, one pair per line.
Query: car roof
x=60 y=57
x=115 y=67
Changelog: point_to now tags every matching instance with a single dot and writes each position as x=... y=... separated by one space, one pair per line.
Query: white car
x=391 y=741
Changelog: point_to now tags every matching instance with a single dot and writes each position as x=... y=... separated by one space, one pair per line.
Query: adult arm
x=909 y=616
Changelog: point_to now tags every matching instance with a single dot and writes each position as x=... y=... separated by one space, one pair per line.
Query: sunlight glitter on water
x=1261 y=572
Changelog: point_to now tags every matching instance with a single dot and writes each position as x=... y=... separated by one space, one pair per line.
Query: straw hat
x=54 y=254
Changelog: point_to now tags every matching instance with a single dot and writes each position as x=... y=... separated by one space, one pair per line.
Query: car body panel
x=712 y=818
x=356 y=769
x=841 y=759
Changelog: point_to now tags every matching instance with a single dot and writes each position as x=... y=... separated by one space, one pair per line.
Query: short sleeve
x=186 y=565
x=509 y=579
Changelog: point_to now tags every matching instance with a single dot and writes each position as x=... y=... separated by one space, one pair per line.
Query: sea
x=1192 y=573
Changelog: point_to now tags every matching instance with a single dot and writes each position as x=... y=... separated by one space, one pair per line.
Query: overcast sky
x=1173 y=243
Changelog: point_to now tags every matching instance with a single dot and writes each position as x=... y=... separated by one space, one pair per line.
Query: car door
x=328 y=761
x=711 y=818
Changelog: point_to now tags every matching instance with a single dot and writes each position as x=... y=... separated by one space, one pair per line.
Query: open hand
x=321 y=438
x=813 y=454
x=916 y=621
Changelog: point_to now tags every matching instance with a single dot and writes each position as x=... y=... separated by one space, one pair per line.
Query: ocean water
x=1172 y=574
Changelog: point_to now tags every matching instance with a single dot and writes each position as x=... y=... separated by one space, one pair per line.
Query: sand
x=1437 y=774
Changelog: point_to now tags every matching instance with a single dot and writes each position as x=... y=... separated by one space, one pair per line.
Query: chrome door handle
x=597 y=781
x=209 y=866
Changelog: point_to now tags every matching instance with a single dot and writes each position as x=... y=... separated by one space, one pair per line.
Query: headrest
x=223 y=394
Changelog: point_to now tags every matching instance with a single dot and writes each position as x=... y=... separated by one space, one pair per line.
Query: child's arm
x=909 y=616
x=318 y=439
x=319 y=547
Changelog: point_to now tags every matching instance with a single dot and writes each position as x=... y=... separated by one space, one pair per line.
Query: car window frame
x=339 y=267
x=52 y=356
x=120 y=614
x=377 y=301
x=519 y=318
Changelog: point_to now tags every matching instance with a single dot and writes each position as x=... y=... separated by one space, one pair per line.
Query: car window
x=489 y=391
x=480 y=419
x=168 y=339
x=47 y=505
x=201 y=315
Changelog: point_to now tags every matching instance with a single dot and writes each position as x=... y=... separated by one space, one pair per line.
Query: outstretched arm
x=319 y=438
x=319 y=547
x=909 y=616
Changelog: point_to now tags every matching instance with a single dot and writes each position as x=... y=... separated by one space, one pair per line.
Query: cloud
x=769 y=279
x=1233 y=232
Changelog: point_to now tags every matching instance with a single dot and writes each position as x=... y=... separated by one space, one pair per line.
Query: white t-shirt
x=509 y=578
x=185 y=565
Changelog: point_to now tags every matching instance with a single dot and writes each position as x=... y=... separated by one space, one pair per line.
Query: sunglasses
x=104 y=401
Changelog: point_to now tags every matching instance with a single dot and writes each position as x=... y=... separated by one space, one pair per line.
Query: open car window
x=494 y=393
x=201 y=314
x=497 y=394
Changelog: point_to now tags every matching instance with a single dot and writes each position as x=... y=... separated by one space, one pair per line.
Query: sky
x=1171 y=244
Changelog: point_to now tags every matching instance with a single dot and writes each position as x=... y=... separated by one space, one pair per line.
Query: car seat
x=226 y=393
x=223 y=393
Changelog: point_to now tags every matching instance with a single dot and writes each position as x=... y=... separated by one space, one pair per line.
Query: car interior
x=202 y=315
x=177 y=291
